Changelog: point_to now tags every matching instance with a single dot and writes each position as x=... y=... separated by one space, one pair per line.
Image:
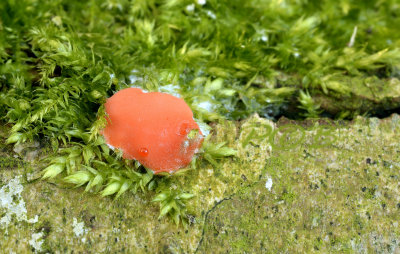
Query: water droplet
x=143 y=151
x=184 y=128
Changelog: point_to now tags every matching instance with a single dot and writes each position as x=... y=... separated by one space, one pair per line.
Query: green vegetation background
x=61 y=59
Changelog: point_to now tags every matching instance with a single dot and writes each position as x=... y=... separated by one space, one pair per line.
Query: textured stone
x=335 y=187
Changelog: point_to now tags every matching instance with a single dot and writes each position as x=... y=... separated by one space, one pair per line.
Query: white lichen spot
x=315 y=222
x=33 y=220
x=268 y=184
x=37 y=241
x=201 y=2
x=79 y=229
x=12 y=204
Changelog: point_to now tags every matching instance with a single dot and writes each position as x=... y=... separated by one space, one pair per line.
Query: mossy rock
x=311 y=186
x=360 y=95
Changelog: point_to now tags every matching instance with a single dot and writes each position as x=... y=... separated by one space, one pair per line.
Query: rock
x=360 y=95
x=28 y=151
x=335 y=188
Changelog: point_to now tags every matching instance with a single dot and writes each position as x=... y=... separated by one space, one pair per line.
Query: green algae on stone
x=341 y=197
x=338 y=196
x=361 y=95
x=253 y=140
x=133 y=218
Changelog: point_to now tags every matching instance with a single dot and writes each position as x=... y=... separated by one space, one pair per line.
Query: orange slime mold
x=157 y=129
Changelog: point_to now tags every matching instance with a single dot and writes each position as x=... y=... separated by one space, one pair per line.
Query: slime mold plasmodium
x=154 y=128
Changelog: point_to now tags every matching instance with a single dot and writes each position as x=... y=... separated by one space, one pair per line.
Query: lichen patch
x=12 y=203
x=79 y=229
x=36 y=241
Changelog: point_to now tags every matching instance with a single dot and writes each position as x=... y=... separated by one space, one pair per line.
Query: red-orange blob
x=152 y=128
x=184 y=129
x=143 y=151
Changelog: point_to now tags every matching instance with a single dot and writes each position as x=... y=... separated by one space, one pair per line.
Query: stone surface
x=294 y=187
x=360 y=95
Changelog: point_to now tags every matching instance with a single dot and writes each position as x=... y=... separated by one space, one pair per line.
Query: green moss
x=10 y=163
